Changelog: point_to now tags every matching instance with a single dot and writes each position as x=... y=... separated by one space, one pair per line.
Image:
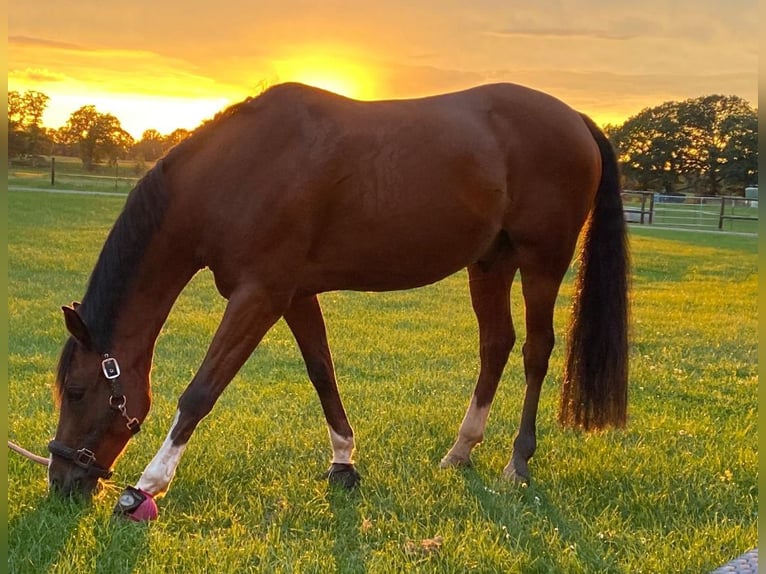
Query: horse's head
x=102 y=403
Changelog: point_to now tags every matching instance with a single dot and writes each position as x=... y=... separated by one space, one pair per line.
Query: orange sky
x=165 y=65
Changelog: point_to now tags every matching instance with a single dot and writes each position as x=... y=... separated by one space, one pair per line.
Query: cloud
x=135 y=71
x=561 y=33
x=411 y=81
x=36 y=76
x=595 y=54
x=26 y=41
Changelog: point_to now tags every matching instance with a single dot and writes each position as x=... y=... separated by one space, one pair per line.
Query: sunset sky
x=165 y=65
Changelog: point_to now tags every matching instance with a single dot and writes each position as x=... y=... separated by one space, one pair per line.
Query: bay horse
x=300 y=191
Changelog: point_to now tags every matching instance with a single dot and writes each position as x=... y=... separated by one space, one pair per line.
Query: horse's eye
x=74 y=393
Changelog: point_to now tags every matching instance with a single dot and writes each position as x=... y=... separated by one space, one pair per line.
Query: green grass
x=674 y=492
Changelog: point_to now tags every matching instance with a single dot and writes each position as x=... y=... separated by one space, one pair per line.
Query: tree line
x=92 y=136
x=706 y=145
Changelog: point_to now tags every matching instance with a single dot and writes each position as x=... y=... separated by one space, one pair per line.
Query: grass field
x=674 y=492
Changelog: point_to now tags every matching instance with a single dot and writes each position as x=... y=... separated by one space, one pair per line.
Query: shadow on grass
x=37 y=539
x=533 y=524
x=347 y=548
x=41 y=539
x=121 y=545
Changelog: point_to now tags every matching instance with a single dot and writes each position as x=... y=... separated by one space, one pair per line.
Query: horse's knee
x=193 y=405
x=196 y=402
x=320 y=372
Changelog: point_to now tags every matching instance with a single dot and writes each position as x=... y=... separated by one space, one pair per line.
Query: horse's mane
x=126 y=245
x=197 y=137
x=129 y=238
x=249 y=105
x=121 y=254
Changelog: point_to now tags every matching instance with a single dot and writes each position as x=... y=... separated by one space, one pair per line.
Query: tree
x=716 y=126
x=740 y=168
x=26 y=136
x=649 y=145
x=175 y=137
x=708 y=142
x=150 y=147
x=96 y=135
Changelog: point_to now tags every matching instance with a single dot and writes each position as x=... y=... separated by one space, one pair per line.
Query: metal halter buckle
x=118 y=403
x=110 y=367
x=84 y=458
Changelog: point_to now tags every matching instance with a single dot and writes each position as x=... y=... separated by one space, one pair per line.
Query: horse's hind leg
x=490 y=296
x=304 y=317
x=540 y=288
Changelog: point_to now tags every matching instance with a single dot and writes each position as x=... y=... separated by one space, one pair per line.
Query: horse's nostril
x=79 y=487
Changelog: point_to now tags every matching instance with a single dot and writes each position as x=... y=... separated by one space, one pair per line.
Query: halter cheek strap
x=84 y=457
x=117 y=401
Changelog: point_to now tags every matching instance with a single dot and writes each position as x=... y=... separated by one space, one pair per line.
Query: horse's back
x=338 y=193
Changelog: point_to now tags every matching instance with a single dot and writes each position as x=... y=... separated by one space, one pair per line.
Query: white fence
x=691 y=212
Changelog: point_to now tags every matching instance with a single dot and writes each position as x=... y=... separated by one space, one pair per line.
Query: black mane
x=127 y=242
x=197 y=137
x=121 y=255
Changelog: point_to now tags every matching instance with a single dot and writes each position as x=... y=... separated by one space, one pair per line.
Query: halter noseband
x=84 y=457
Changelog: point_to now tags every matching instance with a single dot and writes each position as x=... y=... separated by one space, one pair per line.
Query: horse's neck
x=158 y=281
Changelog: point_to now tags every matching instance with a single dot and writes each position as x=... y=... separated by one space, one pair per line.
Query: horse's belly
x=394 y=262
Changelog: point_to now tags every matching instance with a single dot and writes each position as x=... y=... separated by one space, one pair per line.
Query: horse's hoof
x=345 y=475
x=518 y=474
x=452 y=461
x=136 y=505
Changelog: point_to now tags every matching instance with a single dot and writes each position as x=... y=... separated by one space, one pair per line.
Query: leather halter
x=85 y=457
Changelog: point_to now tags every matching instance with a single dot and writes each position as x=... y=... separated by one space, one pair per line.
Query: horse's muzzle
x=66 y=479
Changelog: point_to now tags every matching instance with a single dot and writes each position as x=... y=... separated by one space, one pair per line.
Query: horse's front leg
x=304 y=317
x=249 y=315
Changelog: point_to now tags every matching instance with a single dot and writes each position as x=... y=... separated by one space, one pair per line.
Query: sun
x=329 y=73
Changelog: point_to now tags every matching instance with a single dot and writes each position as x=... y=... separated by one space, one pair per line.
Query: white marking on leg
x=470 y=434
x=160 y=471
x=342 y=448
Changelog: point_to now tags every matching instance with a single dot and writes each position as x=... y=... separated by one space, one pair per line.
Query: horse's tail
x=595 y=390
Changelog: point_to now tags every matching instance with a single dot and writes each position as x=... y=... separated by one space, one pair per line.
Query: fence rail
x=691 y=212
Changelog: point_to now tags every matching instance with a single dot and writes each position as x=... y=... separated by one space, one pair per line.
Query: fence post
x=53 y=170
x=720 y=217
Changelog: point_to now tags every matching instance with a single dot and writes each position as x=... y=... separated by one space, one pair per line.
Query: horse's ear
x=76 y=326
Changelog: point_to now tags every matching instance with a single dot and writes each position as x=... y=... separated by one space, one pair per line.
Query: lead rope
x=30 y=455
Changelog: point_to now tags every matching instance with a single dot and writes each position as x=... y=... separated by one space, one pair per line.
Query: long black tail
x=595 y=390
